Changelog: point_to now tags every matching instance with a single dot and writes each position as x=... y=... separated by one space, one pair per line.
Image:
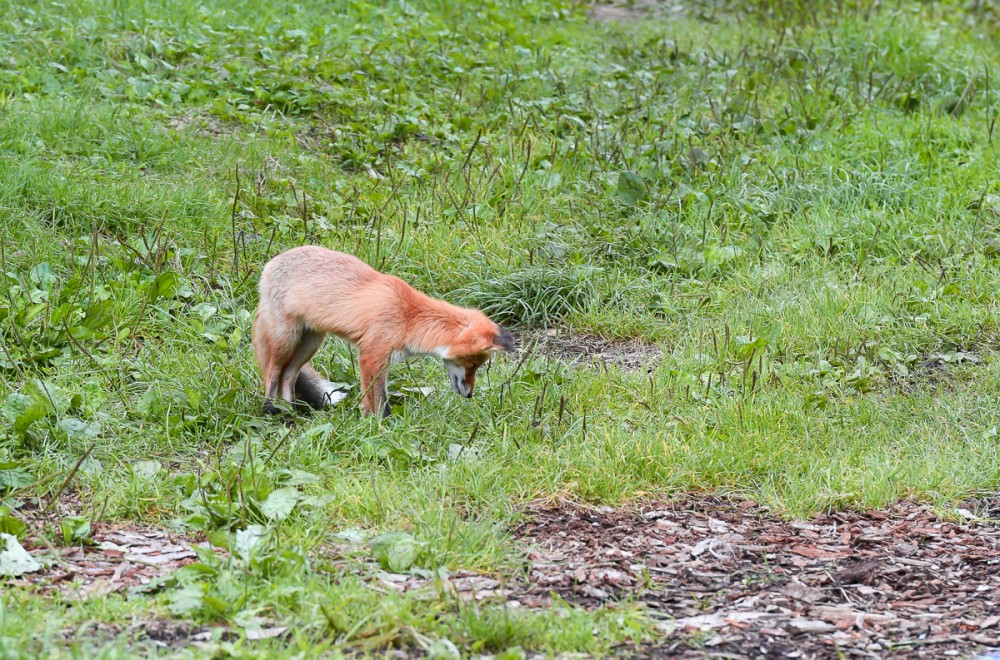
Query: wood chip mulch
x=115 y=558
x=731 y=580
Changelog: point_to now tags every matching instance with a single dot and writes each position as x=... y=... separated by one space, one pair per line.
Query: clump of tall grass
x=533 y=296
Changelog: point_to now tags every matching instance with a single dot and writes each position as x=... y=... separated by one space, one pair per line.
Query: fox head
x=473 y=347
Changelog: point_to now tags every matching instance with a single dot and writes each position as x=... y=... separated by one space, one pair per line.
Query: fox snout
x=463 y=379
x=462 y=388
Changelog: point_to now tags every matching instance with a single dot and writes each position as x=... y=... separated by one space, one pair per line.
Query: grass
x=799 y=205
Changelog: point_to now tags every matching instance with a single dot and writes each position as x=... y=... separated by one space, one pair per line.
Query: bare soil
x=623 y=11
x=631 y=354
x=934 y=371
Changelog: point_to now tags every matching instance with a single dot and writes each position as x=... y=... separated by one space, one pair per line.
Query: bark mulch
x=114 y=558
x=731 y=580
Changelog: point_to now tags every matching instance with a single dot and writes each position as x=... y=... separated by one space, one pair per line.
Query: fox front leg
x=374 y=376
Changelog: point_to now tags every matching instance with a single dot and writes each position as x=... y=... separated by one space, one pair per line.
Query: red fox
x=308 y=292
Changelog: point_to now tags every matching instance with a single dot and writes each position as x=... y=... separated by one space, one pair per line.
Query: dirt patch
x=729 y=579
x=164 y=630
x=631 y=354
x=201 y=125
x=159 y=633
x=624 y=11
x=115 y=558
x=934 y=370
x=169 y=633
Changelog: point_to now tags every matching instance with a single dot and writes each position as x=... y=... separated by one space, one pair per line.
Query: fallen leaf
x=474 y=583
x=799 y=591
x=810 y=626
x=443 y=649
x=594 y=592
x=863 y=572
x=14 y=559
x=990 y=622
x=160 y=559
x=815 y=552
x=849 y=615
x=254 y=634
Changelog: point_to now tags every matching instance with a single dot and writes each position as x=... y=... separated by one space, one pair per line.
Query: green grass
x=799 y=206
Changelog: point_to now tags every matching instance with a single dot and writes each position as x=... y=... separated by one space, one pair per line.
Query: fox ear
x=502 y=341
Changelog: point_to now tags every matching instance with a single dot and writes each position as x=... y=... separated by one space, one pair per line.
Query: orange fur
x=310 y=291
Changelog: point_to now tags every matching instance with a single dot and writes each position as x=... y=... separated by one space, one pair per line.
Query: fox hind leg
x=268 y=359
x=308 y=343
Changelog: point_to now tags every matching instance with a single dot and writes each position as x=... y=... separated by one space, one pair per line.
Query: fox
x=309 y=292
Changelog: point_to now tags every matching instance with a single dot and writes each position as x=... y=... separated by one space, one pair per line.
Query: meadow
x=791 y=208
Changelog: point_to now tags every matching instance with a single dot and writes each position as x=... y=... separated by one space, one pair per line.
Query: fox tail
x=315 y=390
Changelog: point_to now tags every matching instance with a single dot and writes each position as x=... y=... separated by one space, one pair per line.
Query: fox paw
x=271 y=409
